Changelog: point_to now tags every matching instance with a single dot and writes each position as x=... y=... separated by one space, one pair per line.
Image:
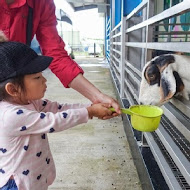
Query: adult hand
x=87 y=89
x=103 y=98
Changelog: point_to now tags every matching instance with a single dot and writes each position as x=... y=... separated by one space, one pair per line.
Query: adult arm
x=52 y=45
x=83 y=86
x=68 y=71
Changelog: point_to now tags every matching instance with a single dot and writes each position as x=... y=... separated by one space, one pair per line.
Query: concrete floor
x=96 y=155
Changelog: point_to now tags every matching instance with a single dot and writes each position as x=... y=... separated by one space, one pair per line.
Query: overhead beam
x=85 y=7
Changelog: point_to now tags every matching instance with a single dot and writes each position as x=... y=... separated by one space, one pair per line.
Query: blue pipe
x=117 y=11
x=129 y=5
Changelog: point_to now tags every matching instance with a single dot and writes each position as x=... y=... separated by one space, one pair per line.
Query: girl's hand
x=101 y=110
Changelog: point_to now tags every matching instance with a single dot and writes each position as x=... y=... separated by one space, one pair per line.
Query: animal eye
x=152 y=77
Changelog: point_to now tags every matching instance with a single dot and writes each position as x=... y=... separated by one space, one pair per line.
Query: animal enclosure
x=152 y=27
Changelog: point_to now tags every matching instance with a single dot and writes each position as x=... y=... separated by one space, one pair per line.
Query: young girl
x=26 y=162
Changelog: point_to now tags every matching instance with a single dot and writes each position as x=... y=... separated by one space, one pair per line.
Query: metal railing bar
x=117 y=60
x=116 y=35
x=132 y=76
x=173 y=11
x=171 y=32
x=172 y=37
x=182 y=104
x=163 y=165
x=116 y=51
x=169 y=24
x=117 y=26
x=116 y=72
x=133 y=68
x=168 y=46
x=176 y=154
x=137 y=9
x=176 y=122
x=132 y=90
x=117 y=43
x=128 y=96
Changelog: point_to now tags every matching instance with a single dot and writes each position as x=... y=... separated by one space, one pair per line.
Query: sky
x=88 y=22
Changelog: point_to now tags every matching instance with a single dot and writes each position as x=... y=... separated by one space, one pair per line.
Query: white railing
x=132 y=42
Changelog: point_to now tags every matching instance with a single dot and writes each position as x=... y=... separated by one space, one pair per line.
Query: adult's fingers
x=116 y=106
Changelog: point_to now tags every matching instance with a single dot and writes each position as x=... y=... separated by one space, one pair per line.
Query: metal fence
x=132 y=43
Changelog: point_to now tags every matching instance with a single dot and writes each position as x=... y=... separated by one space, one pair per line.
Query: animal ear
x=179 y=82
x=164 y=60
x=167 y=84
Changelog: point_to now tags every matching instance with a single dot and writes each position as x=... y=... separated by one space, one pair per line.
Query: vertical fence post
x=144 y=38
x=122 y=61
x=111 y=47
x=149 y=29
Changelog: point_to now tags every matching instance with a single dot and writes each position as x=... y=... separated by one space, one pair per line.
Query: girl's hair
x=17 y=81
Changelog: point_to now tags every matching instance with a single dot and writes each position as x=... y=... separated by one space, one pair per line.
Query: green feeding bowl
x=144 y=118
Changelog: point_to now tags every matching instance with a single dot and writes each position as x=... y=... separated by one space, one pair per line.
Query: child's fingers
x=115 y=114
x=106 y=105
x=110 y=114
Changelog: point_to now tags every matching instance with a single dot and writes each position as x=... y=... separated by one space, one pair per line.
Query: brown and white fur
x=163 y=77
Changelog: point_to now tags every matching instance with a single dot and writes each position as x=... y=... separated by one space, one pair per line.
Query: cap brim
x=37 y=65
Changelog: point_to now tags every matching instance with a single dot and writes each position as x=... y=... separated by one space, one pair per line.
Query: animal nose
x=141 y=103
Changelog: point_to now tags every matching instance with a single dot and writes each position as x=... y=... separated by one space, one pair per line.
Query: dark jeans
x=10 y=185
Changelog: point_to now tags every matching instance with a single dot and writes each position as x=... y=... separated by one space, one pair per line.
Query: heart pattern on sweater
x=26 y=147
x=42 y=115
x=39 y=177
x=19 y=112
x=38 y=154
x=59 y=107
x=44 y=103
x=2 y=171
x=23 y=128
x=48 y=160
x=26 y=172
x=3 y=150
x=64 y=115
x=43 y=136
x=51 y=130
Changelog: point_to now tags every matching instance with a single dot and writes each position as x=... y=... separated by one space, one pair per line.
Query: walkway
x=96 y=155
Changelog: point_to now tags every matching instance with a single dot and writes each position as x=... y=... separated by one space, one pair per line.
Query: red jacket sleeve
x=52 y=45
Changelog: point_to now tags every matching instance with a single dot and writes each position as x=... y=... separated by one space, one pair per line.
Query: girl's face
x=35 y=87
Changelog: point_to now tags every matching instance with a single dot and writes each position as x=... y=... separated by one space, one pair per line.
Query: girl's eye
x=37 y=77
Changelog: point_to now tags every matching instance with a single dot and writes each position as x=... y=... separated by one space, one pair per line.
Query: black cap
x=19 y=59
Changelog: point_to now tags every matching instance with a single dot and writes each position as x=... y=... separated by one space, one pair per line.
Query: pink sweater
x=24 y=147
